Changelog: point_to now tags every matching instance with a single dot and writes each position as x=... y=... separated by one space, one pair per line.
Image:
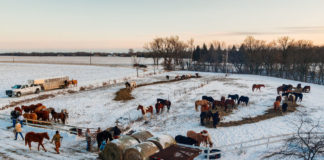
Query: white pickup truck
x=19 y=90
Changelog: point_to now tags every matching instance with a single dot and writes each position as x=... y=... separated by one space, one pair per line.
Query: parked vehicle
x=19 y=90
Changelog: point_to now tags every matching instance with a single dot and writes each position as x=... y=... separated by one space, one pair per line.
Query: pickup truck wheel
x=37 y=91
x=18 y=94
x=9 y=95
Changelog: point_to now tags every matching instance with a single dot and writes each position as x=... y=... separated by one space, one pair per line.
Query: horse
x=205 y=114
x=201 y=103
x=210 y=99
x=298 y=86
x=183 y=77
x=56 y=116
x=177 y=77
x=127 y=85
x=306 y=89
x=132 y=85
x=229 y=102
x=145 y=110
x=30 y=116
x=235 y=97
x=276 y=105
x=243 y=99
x=284 y=88
x=18 y=109
x=36 y=137
x=298 y=96
x=167 y=77
x=74 y=82
x=40 y=108
x=219 y=103
x=197 y=75
x=185 y=140
x=104 y=135
x=44 y=115
x=257 y=86
x=30 y=108
x=158 y=107
x=292 y=99
x=199 y=137
x=278 y=98
x=164 y=102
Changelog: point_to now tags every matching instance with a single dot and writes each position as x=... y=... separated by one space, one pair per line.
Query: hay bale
x=162 y=141
x=141 y=151
x=115 y=149
x=142 y=136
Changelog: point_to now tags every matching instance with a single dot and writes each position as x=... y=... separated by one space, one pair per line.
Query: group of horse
x=159 y=107
x=182 y=77
x=40 y=112
x=194 y=138
x=291 y=94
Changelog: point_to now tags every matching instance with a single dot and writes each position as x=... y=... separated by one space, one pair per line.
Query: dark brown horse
x=229 y=102
x=159 y=107
x=257 y=86
x=44 y=115
x=164 y=102
x=59 y=116
x=30 y=108
x=219 y=103
x=36 y=137
x=278 y=98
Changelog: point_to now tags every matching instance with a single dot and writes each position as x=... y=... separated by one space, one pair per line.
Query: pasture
x=97 y=108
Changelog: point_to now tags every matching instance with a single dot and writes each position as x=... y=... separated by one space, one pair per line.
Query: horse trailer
x=51 y=83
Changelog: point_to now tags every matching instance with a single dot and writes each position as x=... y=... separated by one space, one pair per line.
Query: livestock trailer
x=51 y=83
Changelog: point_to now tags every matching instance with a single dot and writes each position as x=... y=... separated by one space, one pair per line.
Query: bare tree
x=307 y=143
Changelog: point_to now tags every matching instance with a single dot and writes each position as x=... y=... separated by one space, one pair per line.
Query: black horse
x=243 y=99
x=127 y=84
x=104 y=135
x=209 y=99
x=298 y=96
x=284 y=107
x=216 y=119
x=287 y=87
x=185 y=140
x=234 y=97
x=205 y=115
x=164 y=102
x=167 y=77
x=285 y=94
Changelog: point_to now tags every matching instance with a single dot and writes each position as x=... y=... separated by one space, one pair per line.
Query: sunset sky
x=114 y=26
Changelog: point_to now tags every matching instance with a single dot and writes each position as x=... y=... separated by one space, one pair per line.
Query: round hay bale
x=142 y=136
x=141 y=151
x=163 y=141
x=115 y=149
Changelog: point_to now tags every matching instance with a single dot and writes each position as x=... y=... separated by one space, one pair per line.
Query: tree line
x=285 y=57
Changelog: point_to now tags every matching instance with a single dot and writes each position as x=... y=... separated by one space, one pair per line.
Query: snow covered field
x=98 y=109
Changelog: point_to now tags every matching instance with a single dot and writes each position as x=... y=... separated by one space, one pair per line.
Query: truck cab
x=19 y=90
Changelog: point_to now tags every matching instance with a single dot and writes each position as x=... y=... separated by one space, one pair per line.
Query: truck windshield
x=16 y=87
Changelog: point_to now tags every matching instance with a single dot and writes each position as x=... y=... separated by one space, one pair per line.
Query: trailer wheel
x=37 y=91
x=18 y=94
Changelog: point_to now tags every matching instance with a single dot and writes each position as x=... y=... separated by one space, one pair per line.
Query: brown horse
x=30 y=108
x=204 y=108
x=229 y=102
x=40 y=108
x=59 y=116
x=44 y=115
x=30 y=116
x=74 y=82
x=276 y=105
x=200 y=103
x=220 y=103
x=145 y=110
x=36 y=137
x=257 y=86
x=306 y=89
x=159 y=107
x=200 y=137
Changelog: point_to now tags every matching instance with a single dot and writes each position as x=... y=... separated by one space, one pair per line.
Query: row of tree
x=286 y=58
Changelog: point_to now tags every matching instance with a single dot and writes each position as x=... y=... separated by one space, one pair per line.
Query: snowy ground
x=98 y=109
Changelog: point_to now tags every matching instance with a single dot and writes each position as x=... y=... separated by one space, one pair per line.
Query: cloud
x=304 y=29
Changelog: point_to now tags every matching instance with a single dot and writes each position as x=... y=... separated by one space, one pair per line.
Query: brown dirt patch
x=270 y=113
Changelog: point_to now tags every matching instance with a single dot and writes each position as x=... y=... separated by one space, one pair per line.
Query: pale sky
x=113 y=26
